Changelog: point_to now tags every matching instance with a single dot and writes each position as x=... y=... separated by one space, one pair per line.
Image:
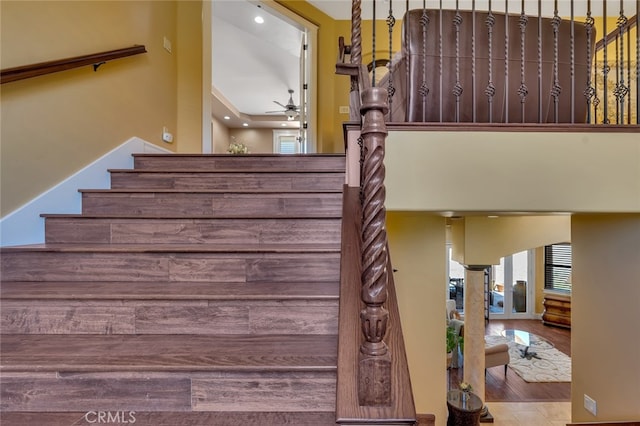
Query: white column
x=474 y=328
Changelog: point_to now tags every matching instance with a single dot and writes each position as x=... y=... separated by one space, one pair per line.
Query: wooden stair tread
x=120 y=290
x=167 y=353
x=174 y=248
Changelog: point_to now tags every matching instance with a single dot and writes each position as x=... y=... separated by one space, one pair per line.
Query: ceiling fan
x=290 y=109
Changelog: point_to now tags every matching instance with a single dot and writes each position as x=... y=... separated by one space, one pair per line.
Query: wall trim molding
x=25 y=226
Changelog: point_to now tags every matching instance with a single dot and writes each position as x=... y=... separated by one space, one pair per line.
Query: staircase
x=198 y=290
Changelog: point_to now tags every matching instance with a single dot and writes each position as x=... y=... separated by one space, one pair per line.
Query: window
x=557 y=267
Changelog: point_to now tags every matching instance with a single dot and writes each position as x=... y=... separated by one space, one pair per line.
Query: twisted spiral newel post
x=374 y=372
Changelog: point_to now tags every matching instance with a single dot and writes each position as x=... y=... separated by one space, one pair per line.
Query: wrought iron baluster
x=473 y=61
x=391 y=21
x=457 y=89
x=506 y=61
x=424 y=89
x=539 y=61
x=373 y=46
x=605 y=66
x=621 y=90
x=637 y=64
x=556 y=89
x=572 y=47
x=490 y=90
x=440 y=59
x=590 y=90
x=523 y=90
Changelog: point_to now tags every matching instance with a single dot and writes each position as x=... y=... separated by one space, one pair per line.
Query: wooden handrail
x=96 y=59
x=632 y=22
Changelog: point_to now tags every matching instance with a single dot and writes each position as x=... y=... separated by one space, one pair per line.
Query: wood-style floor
x=513 y=388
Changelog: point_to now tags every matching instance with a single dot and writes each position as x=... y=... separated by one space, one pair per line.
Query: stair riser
x=201 y=418
x=121 y=392
x=229 y=181
x=240 y=162
x=201 y=267
x=195 y=205
x=170 y=317
x=179 y=231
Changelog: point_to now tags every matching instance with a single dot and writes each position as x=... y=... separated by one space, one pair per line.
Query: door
x=511 y=286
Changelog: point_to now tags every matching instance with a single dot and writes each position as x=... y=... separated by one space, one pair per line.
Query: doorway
x=511 y=285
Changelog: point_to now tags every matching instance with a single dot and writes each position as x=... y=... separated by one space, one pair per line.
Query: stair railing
x=96 y=59
x=374 y=363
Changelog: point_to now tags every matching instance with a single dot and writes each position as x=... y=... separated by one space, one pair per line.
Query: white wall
x=25 y=226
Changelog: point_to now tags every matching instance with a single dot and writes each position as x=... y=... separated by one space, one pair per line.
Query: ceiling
x=253 y=65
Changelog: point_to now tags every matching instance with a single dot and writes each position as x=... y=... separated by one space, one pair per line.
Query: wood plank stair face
x=133 y=266
x=90 y=229
x=200 y=289
x=176 y=203
x=212 y=162
x=265 y=180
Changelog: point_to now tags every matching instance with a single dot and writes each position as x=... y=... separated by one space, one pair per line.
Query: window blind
x=557 y=267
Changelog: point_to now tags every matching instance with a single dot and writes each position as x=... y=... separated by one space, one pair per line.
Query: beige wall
x=219 y=136
x=417 y=251
x=259 y=141
x=605 y=339
x=54 y=125
x=513 y=171
x=481 y=240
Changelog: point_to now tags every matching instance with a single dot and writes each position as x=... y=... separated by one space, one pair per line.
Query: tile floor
x=530 y=413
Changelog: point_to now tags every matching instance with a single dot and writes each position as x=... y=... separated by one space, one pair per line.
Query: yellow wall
x=605 y=340
x=54 y=125
x=417 y=251
x=189 y=88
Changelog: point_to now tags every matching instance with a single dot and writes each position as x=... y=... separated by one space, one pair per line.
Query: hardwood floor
x=513 y=388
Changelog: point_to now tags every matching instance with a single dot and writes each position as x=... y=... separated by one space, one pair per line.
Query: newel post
x=374 y=371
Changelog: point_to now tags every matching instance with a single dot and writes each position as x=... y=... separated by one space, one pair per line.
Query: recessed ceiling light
x=226 y=117
x=245 y=125
x=259 y=20
x=283 y=124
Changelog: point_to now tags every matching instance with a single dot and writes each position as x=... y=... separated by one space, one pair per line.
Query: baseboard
x=25 y=226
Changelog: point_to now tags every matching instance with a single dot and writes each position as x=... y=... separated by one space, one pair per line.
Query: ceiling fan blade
x=278 y=103
x=275 y=112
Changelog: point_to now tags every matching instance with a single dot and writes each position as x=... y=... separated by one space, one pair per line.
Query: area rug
x=550 y=365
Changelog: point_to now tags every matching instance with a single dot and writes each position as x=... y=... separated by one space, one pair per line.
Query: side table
x=464 y=410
